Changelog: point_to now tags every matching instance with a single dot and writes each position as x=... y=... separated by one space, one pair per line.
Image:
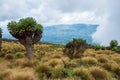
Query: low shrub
x=116 y=49
x=75 y=48
x=113 y=43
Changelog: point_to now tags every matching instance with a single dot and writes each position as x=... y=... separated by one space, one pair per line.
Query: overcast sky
x=106 y=13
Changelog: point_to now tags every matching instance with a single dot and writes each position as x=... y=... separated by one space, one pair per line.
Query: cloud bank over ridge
x=103 y=12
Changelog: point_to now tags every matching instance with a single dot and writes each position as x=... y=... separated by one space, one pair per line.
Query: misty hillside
x=61 y=34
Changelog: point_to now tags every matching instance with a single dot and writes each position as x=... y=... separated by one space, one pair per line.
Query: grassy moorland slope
x=51 y=64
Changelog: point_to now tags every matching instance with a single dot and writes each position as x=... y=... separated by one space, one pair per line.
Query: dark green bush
x=114 y=48
x=75 y=48
x=113 y=43
x=118 y=50
x=99 y=47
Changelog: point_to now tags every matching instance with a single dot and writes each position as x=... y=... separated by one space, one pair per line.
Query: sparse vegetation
x=51 y=63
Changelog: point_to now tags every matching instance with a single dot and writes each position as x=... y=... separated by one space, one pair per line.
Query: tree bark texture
x=29 y=46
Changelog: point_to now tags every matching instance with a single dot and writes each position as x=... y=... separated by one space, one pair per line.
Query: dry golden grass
x=89 y=60
x=102 y=59
x=54 y=62
x=21 y=74
x=83 y=73
x=99 y=73
x=4 y=64
x=90 y=52
x=50 y=61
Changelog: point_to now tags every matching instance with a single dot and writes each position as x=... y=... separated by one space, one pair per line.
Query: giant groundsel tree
x=28 y=32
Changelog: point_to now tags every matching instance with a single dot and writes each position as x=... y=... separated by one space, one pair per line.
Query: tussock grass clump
x=57 y=72
x=116 y=57
x=71 y=64
x=90 y=52
x=25 y=63
x=116 y=69
x=9 y=56
x=39 y=55
x=4 y=64
x=45 y=59
x=83 y=73
x=44 y=70
x=21 y=74
x=99 y=73
x=102 y=59
x=55 y=62
x=4 y=74
x=57 y=55
x=16 y=47
x=89 y=60
x=19 y=55
x=107 y=66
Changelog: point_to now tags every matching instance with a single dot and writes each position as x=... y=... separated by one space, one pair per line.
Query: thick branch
x=22 y=35
x=37 y=37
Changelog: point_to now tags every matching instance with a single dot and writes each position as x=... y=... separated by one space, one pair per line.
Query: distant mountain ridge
x=63 y=33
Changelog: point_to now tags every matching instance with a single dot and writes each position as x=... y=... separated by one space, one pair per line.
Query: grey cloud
x=103 y=12
x=109 y=30
x=11 y=9
x=14 y=9
x=77 y=5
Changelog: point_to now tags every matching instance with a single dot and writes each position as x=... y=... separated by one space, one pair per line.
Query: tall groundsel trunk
x=29 y=51
x=29 y=46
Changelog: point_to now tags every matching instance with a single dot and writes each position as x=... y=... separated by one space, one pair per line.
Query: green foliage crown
x=24 y=25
